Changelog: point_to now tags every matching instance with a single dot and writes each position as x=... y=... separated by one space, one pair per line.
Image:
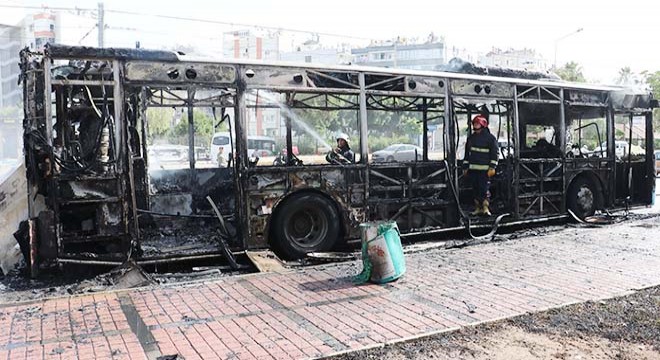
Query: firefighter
x=220 y=157
x=480 y=162
x=342 y=153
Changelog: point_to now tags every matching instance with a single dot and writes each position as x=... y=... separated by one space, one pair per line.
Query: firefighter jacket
x=346 y=153
x=480 y=151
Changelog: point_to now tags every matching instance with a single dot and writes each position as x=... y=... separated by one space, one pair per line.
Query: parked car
x=168 y=153
x=398 y=152
x=657 y=162
x=620 y=149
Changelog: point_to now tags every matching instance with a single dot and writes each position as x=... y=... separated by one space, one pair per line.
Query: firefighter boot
x=477 y=208
x=484 y=208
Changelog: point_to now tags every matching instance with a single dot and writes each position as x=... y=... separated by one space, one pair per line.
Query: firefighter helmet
x=481 y=120
x=343 y=136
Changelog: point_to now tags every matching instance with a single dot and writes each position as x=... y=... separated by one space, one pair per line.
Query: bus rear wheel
x=305 y=223
x=582 y=197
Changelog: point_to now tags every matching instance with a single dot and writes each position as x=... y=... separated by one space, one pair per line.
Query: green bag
x=382 y=253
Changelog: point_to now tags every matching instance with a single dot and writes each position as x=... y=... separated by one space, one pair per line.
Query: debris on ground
x=619 y=328
x=266 y=261
x=126 y=276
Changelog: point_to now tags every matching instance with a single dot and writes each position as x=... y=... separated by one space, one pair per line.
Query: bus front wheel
x=304 y=223
x=582 y=197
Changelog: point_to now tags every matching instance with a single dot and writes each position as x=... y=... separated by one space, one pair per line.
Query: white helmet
x=342 y=136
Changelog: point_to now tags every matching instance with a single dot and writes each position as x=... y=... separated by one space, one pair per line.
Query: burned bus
x=96 y=197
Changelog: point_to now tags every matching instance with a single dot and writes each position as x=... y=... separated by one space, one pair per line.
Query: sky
x=615 y=34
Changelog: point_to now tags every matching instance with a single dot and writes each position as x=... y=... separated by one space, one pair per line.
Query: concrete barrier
x=13 y=210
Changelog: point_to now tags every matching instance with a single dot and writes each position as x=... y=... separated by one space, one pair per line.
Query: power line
x=24 y=7
x=183 y=18
x=142 y=31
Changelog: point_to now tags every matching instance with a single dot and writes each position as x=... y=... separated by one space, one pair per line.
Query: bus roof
x=72 y=52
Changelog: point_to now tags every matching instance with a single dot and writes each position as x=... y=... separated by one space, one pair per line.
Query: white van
x=620 y=149
x=257 y=145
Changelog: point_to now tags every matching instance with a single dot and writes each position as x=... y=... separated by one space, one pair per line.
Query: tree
x=653 y=79
x=159 y=122
x=571 y=71
x=625 y=76
x=203 y=125
x=162 y=129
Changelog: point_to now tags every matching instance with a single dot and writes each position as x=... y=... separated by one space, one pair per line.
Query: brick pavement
x=317 y=311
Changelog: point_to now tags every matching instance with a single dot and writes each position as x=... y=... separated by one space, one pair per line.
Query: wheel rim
x=306 y=228
x=585 y=199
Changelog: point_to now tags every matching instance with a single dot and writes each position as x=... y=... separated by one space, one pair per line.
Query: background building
x=525 y=59
x=34 y=31
x=39 y=29
x=312 y=51
x=403 y=53
x=10 y=46
x=10 y=92
x=247 y=44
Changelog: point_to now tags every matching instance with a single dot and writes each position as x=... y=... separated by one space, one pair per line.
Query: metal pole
x=562 y=146
x=649 y=169
x=364 y=132
x=425 y=133
x=364 y=149
x=191 y=132
x=101 y=24
x=610 y=117
x=516 y=155
x=240 y=161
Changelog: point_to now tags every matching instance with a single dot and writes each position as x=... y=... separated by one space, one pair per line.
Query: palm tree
x=625 y=76
x=571 y=71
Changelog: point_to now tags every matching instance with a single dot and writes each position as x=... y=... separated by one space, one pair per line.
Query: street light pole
x=101 y=24
x=560 y=39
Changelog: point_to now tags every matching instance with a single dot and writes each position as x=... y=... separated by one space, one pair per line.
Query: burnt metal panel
x=584 y=97
x=58 y=51
x=47 y=239
x=413 y=194
x=180 y=72
x=428 y=86
x=628 y=100
x=262 y=76
x=482 y=88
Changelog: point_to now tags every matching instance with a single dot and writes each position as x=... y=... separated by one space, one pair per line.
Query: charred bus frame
x=92 y=197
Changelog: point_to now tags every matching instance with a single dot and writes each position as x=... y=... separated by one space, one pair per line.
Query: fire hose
x=490 y=235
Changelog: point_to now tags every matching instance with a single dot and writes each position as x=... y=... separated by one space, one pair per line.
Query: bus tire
x=582 y=197
x=303 y=223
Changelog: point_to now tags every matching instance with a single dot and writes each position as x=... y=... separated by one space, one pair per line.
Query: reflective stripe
x=481 y=150
x=478 y=167
x=494 y=162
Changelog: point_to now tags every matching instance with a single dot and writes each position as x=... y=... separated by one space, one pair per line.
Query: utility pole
x=101 y=24
x=560 y=39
